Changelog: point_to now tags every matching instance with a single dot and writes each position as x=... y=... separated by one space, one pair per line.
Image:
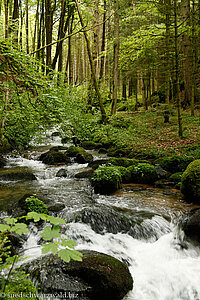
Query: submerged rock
x=85 y=173
x=62 y=173
x=98 y=276
x=18 y=173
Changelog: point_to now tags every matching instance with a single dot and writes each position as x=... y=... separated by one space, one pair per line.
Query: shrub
x=190 y=182
x=174 y=163
x=125 y=174
x=36 y=205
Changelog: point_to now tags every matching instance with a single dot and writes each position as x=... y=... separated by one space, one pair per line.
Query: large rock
x=98 y=276
x=84 y=158
x=53 y=157
x=190 y=182
x=106 y=180
x=191 y=225
x=18 y=173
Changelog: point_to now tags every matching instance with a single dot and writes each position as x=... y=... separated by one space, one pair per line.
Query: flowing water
x=161 y=268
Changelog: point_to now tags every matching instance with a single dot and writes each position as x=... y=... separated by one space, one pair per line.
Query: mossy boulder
x=174 y=163
x=106 y=179
x=88 y=145
x=190 y=224
x=96 y=163
x=98 y=276
x=143 y=173
x=85 y=173
x=84 y=158
x=125 y=174
x=176 y=177
x=72 y=151
x=190 y=182
x=53 y=157
x=125 y=162
x=117 y=152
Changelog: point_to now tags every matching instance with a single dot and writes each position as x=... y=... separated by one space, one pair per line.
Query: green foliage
x=176 y=177
x=124 y=162
x=190 y=182
x=125 y=174
x=143 y=173
x=72 y=151
x=63 y=248
x=36 y=205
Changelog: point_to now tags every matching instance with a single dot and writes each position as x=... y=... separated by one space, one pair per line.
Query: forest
x=100 y=149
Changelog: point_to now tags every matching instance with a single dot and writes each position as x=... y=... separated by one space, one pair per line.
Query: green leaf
x=19 y=228
x=50 y=233
x=4 y=227
x=36 y=216
x=66 y=255
x=10 y=221
x=68 y=243
x=50 y=247
x=55 y=220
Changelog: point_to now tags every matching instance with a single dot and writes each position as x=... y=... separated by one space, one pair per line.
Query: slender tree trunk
x=144 y=93
x=6 y=18
x=27 y=28
x=176 y=84
x=5 y=112
x=167 y=51
x=116 y=57
x=194 y=59
x=124 y=83
x=15 y=22
x=136 y=92
x=103 y=113
x=69 y=65
x=103 y=43
x=21 y=25
x=36 y=25
x=48 y=27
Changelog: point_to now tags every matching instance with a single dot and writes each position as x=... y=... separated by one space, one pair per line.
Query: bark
x=176 y=83
x=21 y=25
x=27 y=29
x=144 y=98
x=187 y=53
x=49 y=10
x=167 y=51
x=6 y=18
x=15 y=22
x=116 y=57
x=5 y=112
x=36 y=25
x=103 y=44
x=103 y=113
x=124 y=83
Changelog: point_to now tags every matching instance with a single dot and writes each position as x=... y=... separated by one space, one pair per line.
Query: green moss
x=106 y=179
x=190 y=182
x=143 y=173
x=174 y=164
x=72 y=151
x=125 y=162
x=89 y=145
x=176 y=177
x=34 y=204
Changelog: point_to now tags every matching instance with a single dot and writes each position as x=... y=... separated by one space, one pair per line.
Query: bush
x=124 y=162
x=36 y=205
x=143 y=173
x=106 y=179
x=190 y=182
x=125 y=174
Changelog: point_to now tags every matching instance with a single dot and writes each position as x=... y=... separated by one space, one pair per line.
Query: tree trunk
x=144 y=98
x=27 y=29
x=124 y=83
x=116 y=57
x=15 y=22
x=176 y=84
x=103 y=43
x=103 y=113
x=187 y=52
x=6 y=18
x=49 y=28
x=167 y=51
x=36 y=25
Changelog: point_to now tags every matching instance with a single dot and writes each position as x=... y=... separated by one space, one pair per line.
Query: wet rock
x=87 y=173
x=190 y=224
x=190 y=182
x=19 y=173
x=98 y=276
x=96 y=163
x=161 y=172
x=56 y=207
x=54 y=157
x=2 y=161
x=72 y=151
x=62 y=173
x=84 y=158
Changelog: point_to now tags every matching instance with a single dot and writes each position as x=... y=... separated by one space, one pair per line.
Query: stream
x=161 y=268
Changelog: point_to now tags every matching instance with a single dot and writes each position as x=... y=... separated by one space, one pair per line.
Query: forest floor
x=146 y=132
